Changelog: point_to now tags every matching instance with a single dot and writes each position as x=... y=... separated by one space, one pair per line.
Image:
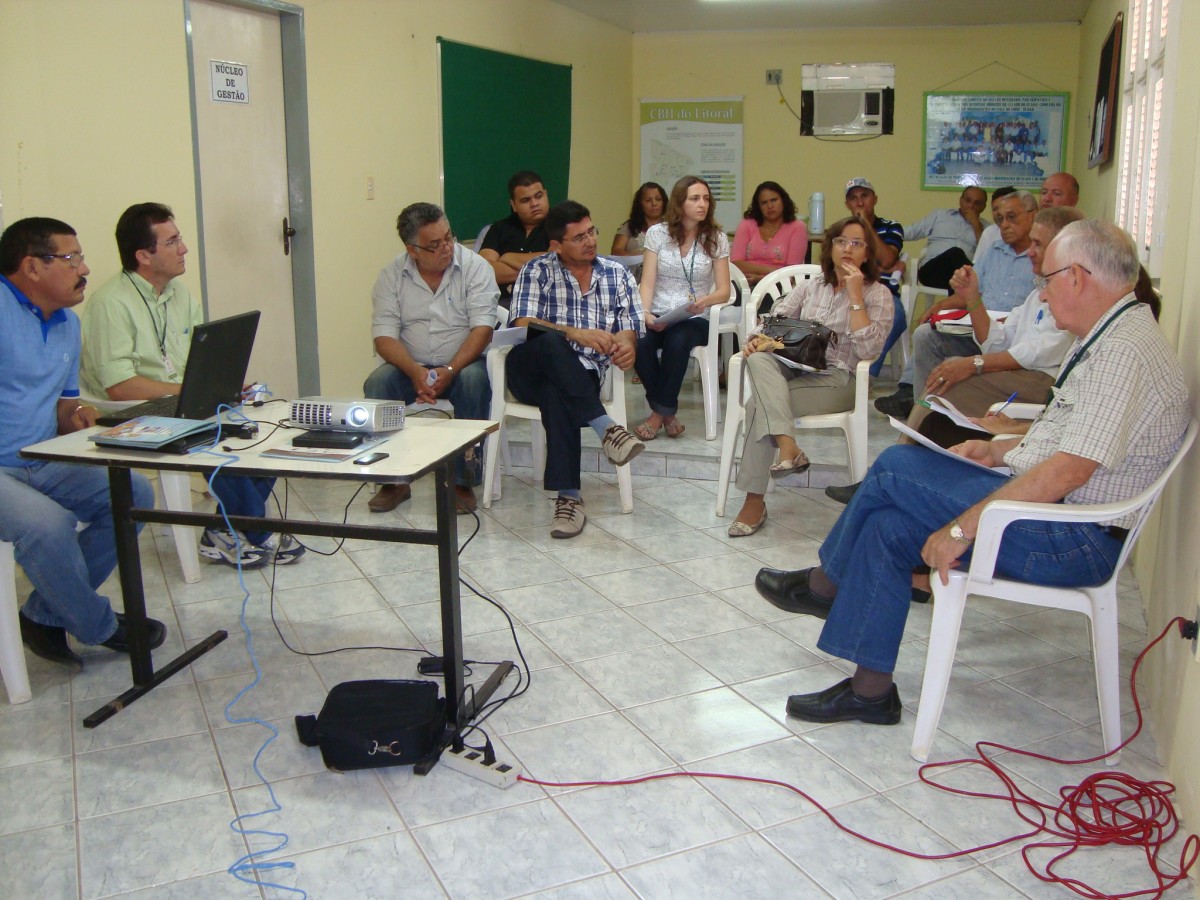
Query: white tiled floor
x=651 y=653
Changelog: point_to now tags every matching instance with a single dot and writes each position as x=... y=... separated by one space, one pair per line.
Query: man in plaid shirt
x=584 y=313
x=1115 y=420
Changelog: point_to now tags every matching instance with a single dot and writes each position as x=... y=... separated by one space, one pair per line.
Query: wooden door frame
x=299 y=178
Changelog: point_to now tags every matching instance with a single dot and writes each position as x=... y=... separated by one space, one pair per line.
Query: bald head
x=1060 y=189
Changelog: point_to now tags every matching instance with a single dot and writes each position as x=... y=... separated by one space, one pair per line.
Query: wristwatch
x=978 y=365
x=856 y=307
x=957 y=534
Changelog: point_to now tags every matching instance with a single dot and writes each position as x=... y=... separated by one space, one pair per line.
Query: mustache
x=81 y=283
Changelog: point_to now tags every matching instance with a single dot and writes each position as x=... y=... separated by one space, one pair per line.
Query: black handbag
x=369 y=724
x=804 y=341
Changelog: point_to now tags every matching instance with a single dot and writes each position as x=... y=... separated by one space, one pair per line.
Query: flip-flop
x=792 y=466
x=675 y=429
x=643 y=431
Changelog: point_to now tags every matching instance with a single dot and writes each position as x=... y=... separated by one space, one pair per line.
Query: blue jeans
x=662 y=377
x=470 y=394
x=908 y=494
x=245 y=495
x=40 y=505
x=899 y=324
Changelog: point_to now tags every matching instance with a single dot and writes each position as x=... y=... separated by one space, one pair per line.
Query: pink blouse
x=786 y=248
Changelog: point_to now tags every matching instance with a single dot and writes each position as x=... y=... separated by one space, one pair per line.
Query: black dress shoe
x=789 y=591
x=49 y=642
x=897 y=405
x=842 y=493
x=840 y=704
x=120 y=638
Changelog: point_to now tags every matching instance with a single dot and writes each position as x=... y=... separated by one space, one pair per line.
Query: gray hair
x=1103 y=249
x=1056 y=218
x=1028 y=202
x=414 y=217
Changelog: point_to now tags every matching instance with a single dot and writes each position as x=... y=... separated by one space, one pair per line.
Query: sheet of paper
x=948 y=409
x=926 y=442
x=678 y=314
x=503 y=337
x=800 y=366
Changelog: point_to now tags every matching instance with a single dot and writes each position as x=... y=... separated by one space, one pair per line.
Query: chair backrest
x=740 y=285
x=1149 y=497
x=778 y=284
x=479 y=238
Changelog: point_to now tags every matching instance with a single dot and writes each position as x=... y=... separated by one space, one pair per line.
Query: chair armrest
x=1018 y=410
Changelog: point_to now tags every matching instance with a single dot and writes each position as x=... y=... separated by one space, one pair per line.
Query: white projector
x=333 y=414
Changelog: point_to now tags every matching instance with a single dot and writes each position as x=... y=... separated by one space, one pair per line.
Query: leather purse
x=804 y=341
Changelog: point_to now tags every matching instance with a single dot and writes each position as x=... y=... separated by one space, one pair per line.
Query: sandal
x=645 y=432
x=741 y=529
x=674 y=429
x=799 y=463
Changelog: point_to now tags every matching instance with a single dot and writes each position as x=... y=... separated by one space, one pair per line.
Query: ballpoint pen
x=1011 y=398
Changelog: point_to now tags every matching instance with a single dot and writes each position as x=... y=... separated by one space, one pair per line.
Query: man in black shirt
x=519 y=237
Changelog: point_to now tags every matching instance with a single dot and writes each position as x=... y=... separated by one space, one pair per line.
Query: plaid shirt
x=546 y=290
x=1123 y=405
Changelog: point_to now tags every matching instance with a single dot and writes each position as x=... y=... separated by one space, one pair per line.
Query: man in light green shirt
x=137 y=328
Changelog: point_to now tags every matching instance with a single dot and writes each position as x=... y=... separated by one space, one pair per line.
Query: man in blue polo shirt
x=42 y=275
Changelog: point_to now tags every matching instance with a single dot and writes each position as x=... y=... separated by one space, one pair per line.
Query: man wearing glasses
x=137 y=332
x=584 y=313
x=1118 y=413
x=435 y=310
x=43 y=275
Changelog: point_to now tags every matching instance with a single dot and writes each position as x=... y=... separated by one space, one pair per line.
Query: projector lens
x=357 y=416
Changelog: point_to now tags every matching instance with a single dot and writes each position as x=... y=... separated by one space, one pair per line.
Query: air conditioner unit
x=847 y=112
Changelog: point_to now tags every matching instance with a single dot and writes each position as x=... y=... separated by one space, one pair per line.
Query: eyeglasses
x=1014 y=217
x=852 y=243
x=583 y=237
x=173 y=243
x=435 y=246
x=74 y=260
x=1040 y=281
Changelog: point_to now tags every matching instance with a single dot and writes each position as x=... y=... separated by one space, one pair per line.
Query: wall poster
x=696 y=137
x=993 y=139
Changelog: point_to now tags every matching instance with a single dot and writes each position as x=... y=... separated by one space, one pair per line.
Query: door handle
x=288 y=234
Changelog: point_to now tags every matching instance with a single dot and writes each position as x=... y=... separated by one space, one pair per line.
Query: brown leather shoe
x=465 y=497
x=389 y=497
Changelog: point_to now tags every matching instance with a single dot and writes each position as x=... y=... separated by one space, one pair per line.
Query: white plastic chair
x=707 y=356
x=734 y=315
x=1098 y=603
x=778 y=283
x=478 y=245
x=504 y=404
x=12 y=651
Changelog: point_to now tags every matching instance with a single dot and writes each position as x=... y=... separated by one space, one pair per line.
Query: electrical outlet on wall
x=774 y=76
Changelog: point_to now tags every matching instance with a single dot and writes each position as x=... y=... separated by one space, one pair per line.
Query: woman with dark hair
x=649 y=207
x=847 y=298
x=770 y=236
x=686 y=267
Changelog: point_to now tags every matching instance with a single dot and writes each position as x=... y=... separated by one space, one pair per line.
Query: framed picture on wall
x=1108 y=83
x=993 y=139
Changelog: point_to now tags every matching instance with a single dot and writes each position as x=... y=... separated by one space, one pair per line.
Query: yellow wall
x=926 y=59
x=86 y=130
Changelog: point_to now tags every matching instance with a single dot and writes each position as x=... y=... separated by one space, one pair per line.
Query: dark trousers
x=547 y=373
x=662 y=377
x=936 y=272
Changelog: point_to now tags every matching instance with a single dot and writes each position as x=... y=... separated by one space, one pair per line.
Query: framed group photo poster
x=992 y=139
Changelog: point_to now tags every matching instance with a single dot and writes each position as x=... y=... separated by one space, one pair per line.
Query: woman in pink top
x=770 y=236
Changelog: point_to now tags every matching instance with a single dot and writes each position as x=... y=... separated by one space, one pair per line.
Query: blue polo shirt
x=1005 y=276
x=39 y=363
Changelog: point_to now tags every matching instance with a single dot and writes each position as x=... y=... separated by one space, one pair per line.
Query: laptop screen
x=216 y=365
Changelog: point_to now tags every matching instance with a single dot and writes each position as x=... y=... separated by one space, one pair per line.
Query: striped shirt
x=1124 y=405
x=546 y=290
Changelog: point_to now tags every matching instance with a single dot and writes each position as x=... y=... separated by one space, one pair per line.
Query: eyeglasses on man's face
x=435 y=246
x=852 y=243
x=1041 y=281
x=173 y=242
x=74 y=260
x=583 y=237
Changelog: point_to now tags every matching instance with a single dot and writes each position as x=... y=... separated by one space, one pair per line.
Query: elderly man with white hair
x=1118 y=411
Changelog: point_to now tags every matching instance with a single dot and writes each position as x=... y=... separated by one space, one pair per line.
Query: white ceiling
x=752 y=15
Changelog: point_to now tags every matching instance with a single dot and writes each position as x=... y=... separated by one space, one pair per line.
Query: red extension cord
x=1105 y=808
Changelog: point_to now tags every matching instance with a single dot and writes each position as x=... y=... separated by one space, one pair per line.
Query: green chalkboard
x=500 y=113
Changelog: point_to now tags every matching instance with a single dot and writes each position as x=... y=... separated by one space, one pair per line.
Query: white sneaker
x=228 y=547
x=568 y=518
x=283 y=549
